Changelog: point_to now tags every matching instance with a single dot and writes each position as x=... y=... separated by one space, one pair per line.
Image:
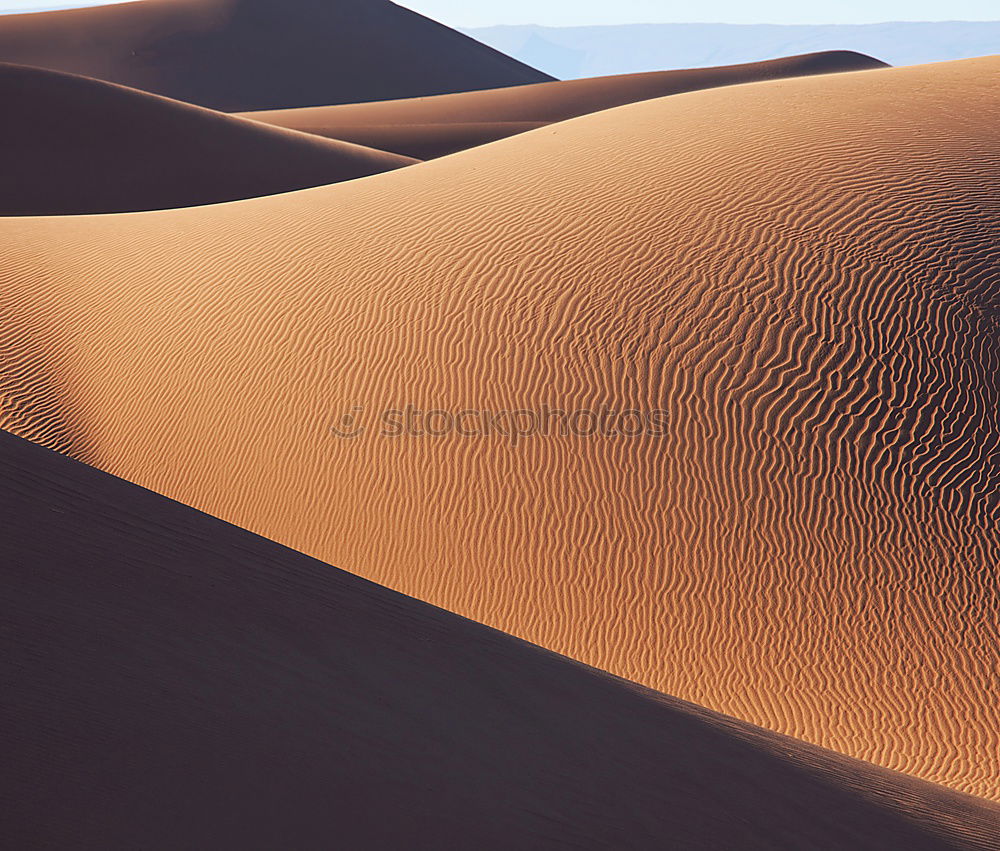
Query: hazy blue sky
x=579 y=12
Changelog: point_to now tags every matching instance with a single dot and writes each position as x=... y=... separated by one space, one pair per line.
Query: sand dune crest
x=431 y=127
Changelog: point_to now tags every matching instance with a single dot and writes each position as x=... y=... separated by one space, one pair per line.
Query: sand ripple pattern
x=802 y=273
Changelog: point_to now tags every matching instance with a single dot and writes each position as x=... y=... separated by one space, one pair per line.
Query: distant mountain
x=569 y=52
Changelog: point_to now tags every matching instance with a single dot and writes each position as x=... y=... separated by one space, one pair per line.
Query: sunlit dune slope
x=261 y=54
x=801 y=274
x=75 y=145
x=174 y=682
x=432 y=127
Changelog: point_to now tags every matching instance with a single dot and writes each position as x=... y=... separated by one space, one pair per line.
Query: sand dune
x=811 y=546
x=174 y=682
x=76 y=145
x=431 y=127
x=261 y=54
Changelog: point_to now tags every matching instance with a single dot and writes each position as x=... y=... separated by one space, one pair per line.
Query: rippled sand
x=801 y=273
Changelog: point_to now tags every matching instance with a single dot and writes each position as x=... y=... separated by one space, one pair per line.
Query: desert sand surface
x=431 y=127
x=800 y=273
x=236 y=55
x=76 y=145
x=174 y=682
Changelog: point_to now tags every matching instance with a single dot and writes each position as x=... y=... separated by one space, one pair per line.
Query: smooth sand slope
x=421 y=141
x=436 y=126
x=801 y=273
x=261 y=54
x=75 y=145
x=174 y=682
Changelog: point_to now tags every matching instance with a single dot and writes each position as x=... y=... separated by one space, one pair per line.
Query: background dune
x=801 y=273
x=261 y=54
x=431 y=127
x=75 y=145
x=174 y=682
x=570 y=52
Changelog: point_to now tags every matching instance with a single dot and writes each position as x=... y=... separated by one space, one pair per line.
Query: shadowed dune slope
x=810 y=544
x=432 y=127
x=261 y=54
x=174 y=682
x=76 y=145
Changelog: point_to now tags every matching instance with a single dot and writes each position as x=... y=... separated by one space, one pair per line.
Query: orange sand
x=801 y=273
